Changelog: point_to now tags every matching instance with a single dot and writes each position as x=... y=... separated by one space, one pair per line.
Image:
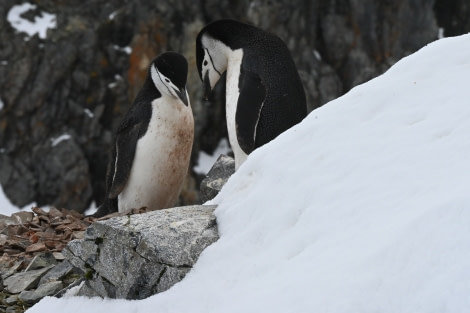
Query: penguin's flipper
x=126 y=142
x=250 y=102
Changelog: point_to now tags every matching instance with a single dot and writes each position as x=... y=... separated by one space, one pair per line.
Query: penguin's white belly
x=161 y=158
x=232 y=94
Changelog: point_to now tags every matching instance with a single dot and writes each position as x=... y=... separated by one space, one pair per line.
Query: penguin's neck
x=234 y=61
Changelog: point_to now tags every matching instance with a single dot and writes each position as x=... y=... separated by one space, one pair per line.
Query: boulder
x=216 y=178
x=47 y=289
x=25 y=280
x=136 y=256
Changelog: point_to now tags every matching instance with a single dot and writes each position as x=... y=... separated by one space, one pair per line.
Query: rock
x=24 y=280
x=18 y=218
x=11 y=300
x=58 y=255
x=71 y=289
x=47 y=289
x=41 y=260
x=8 y=269
x=22 y=217
x=57 y=273
x=3 y=239
x=216 y=178
x=11 y=309
x=136 y=256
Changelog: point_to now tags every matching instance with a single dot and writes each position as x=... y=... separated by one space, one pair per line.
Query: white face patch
x=215 y=59
x=163 y=83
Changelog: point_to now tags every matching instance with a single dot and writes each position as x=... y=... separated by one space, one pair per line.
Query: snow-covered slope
x=363 y=207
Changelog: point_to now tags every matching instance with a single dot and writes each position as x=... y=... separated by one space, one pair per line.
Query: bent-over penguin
x=152 y=149
x=264 y=93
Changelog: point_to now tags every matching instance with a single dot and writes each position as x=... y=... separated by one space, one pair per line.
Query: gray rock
x=11 y=300
x=22 y=217
x=47 y=289
x=10 y=270
x=57 y=273
x=24 y=280
x=41 y=260
x=15 y=219
x=11 y=309
x=75 y=283
x=136 y=256
x=218 y=175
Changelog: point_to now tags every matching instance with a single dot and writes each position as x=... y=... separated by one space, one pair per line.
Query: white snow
x=40 y=25
x=88 y=112
x=317 y=55
x=114 y=84
x=126 y=49
x=440 y=33
x=112 y=15
x=57 y=140
x=363 y=207
x=92 y=209
x=205 y=160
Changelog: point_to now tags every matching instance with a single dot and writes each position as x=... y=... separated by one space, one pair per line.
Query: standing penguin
x=153 y=143
x=264 y=94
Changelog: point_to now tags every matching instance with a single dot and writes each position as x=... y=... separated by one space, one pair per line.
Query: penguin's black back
x=268 y=56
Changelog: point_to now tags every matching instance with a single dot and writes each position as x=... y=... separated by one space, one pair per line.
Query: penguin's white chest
x=161 y=158
x=231 y=100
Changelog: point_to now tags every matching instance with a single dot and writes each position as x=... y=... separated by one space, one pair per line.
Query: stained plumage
x=153 y=143
x=264 y=93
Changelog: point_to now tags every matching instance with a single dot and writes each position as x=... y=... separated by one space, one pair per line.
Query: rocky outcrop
x=136 y=256
x=128 y=255
x=216 y=178
x=64 y=91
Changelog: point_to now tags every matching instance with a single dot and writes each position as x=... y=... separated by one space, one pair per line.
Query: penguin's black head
x=169 y=72
x=212 y=54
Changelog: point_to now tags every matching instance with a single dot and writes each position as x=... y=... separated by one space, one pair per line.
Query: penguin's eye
x=205 y=63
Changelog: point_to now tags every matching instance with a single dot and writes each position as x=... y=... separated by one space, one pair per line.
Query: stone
x=24 y=280
x=47 y=289
x=216 y=178
x=11 y=309
x=57 y=273
x=41 y=260
x=7 y=271
x=136 y=256
x=22 y=217
x=11 y=300
x=18 y=218
x=71 y=289
x=3 y=239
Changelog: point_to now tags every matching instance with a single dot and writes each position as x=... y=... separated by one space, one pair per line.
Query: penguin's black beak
x=183 y=95
x=207 y=86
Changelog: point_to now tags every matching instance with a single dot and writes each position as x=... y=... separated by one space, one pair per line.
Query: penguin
x=152 y=145
x=264 y=94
